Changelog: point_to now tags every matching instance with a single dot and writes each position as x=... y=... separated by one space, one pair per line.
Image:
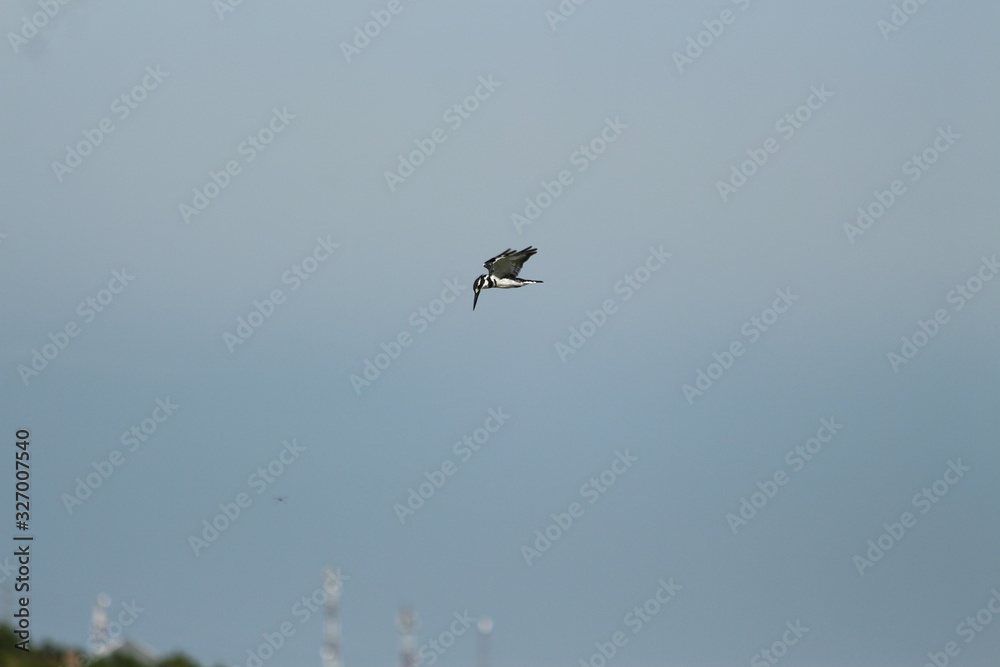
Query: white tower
x=99 y=640
x=407 y=637
x=484 y=626
x=331 y=621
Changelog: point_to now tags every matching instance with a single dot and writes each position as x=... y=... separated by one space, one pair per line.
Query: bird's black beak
x=475 y=299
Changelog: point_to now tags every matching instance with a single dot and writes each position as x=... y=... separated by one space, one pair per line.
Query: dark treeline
x=49 y=654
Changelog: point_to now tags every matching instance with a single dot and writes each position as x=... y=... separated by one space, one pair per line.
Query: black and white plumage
x=503 y=270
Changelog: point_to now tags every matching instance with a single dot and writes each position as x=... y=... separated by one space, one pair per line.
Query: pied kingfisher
x=503 y=270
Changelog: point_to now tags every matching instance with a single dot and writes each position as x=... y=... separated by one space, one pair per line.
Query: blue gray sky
x=750 y=416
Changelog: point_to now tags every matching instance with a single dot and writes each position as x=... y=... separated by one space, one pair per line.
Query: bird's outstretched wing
x=508 y=263
x=488 y=264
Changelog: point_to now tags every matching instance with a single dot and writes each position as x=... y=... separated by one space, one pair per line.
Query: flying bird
x=503 y=270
